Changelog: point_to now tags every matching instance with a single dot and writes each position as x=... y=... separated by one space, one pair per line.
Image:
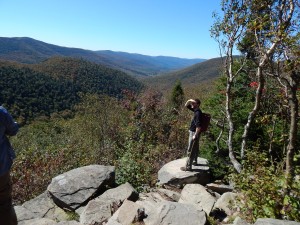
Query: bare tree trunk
x=294 y=110
x=235 y=163
x=255 y=109
x=271 y=139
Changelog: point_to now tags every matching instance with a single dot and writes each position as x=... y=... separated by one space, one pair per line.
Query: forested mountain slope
x=31 y=91
x=28 y=50
x=195 y=74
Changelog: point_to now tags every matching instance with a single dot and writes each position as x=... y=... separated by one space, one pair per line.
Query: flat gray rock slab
x=76 y=187
x=38 y=221
x=125 y=215
x=96 y=212
x=275 y=222
x=24 y=214
x=197 y=194
x=176 y=214
x=171 y=174
x=101 y=208
x=42 y=206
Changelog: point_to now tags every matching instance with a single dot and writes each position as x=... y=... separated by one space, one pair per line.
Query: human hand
x=188 y=102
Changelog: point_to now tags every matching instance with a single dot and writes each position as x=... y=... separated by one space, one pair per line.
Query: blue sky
x=177 y=28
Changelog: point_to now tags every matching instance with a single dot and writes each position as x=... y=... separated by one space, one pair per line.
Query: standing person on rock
x=194 y=133
x=8 y=127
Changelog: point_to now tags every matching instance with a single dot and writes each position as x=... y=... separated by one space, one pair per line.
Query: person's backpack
x=204 y=121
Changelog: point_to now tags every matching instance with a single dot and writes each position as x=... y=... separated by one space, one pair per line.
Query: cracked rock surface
x=176 y=214
x=74 y=188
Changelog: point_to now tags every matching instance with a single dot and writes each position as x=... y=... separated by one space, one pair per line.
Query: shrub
x=261 y=184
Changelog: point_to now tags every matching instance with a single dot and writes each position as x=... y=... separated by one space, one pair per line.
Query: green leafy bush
x=261 y=185
x=133 y=167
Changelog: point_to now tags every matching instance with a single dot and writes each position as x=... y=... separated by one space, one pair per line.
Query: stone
x=125 y=215
x=23 y=213
x=43 y=207
x=101 y=208
x=76 y=187
x=96 y=212
x=120 y=193
x=268 y=221
x=72 y=222
x=152 y=196
x=239 y=221
x=149 y=206
x=172 y=195
x=176 y=214
x=219 y=188
x=226 y=202
x=38 y=221
x=197 y=194
x=171 y=174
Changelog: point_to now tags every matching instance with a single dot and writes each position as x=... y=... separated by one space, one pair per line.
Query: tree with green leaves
x=267 y=34
x=177 y=95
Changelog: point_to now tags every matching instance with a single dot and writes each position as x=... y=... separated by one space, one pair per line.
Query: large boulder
x=76 y=187
x=40 y=207
x=101 y=208
x=174 y=213
x=268 y=221
x=197 y=194
x=171 y=174
x=125 y=215
x=226 y=202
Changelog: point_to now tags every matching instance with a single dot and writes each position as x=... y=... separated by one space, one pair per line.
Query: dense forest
x=195 y=74
x=53 y=87
x=253 y=140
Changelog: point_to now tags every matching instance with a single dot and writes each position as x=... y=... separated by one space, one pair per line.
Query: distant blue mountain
x=28 y=50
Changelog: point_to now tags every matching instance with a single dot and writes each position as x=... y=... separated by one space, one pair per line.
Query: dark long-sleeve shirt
x=8 y=127
x=196 y=119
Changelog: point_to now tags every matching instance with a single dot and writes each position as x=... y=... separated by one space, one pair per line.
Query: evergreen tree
x=177 y=96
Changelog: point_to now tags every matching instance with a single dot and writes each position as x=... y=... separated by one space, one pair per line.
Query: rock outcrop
x=100 y=209
x=82 y=192
x=75 y=188
x=175 y=213
x=197 y=195
x=171 y=174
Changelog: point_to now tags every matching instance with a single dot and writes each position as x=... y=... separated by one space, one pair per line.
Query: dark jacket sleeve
x=189 y=107
x=11 y=127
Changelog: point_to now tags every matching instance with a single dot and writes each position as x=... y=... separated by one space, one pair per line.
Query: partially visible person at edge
x=194 y=132
x=8 y=127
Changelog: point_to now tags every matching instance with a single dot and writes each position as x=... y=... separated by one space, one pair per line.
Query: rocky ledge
x=89 y=196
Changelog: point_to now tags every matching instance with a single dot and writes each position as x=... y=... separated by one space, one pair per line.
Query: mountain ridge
x=195 y=74
x=30 y=51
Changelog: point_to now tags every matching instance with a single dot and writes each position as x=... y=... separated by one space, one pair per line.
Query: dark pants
x=7 y=212
x=193 y=149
